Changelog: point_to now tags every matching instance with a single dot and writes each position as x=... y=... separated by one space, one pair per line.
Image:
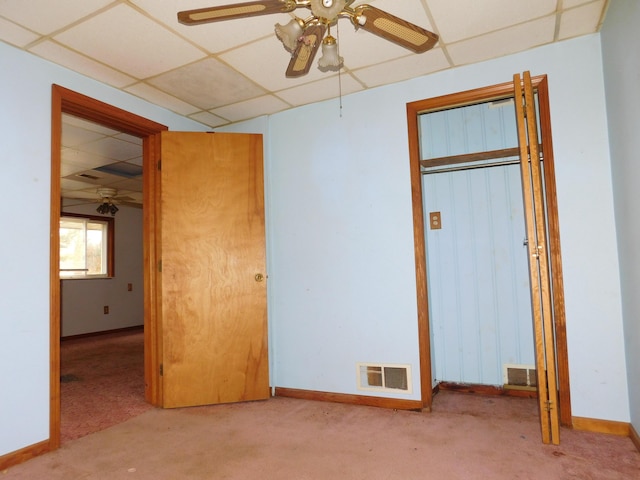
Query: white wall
x=620 y=39
x=342 y=274
x=83 y=300
x=25 y=157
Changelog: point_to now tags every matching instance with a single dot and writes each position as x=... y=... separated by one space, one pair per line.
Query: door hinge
x=159 y=164
x=161 y=369
x=160 y=266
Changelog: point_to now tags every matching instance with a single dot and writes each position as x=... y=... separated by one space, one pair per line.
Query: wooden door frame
x=67 y=101
x=480 y=95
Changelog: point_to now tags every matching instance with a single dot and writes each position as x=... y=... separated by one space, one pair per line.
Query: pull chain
x=339 y=69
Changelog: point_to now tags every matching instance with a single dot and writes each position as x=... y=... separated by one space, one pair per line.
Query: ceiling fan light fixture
x=290 y=33
x=330 y=59
x=107 y=207
x=302 y=38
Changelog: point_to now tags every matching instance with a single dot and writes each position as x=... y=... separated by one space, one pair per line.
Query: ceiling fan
x=303 y=37
x=107 y=197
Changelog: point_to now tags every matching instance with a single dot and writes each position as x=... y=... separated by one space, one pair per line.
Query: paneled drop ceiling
x=94 y=156
x=220 y=73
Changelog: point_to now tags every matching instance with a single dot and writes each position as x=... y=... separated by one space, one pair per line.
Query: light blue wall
x=620 y=42
x=25 y=159
x=342 y=274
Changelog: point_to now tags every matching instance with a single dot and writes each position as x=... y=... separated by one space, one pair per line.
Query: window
x=86 y=246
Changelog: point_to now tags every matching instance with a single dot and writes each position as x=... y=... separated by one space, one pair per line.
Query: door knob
x=259 y=277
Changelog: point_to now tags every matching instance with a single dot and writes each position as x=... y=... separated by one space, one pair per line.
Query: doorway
x=488 y=94
x=78 y=105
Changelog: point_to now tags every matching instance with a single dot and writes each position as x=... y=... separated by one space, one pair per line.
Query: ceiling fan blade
x=235 y=10
x=394 y=29
x=305 y=52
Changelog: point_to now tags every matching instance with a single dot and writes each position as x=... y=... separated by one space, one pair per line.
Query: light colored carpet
x=465 y=437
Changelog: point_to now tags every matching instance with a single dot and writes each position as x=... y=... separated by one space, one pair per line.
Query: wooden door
x=539 y=264
x=212 y=304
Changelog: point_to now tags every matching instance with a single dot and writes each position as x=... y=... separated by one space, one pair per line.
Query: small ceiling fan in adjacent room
x=107 y=198
x=303 y=37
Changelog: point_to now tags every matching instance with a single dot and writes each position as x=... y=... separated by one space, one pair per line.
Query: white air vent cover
x=519 y=375
x=384 y=377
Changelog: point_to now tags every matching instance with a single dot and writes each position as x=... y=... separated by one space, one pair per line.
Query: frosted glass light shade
x=289 y=33
x=330 y=59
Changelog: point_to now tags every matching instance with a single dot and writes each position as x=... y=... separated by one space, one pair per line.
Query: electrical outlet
x=129 y=287
x=106 y=309
x=434 y=220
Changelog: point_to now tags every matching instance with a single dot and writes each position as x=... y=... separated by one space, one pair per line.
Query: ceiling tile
x=74 y=61
x=324 y=89
x=74 y=136
x=413 y=12
x=270 y=74
x=128 y=186
x=71 y=184
x=46 y=16
x=218 y=36
x=403 y=68
x=503 y=42
x=566 y=4
x=88 y=125
x=460 y=19
x=209 y=119
x=580 y=20
x=361 y=49
x=130 y=42
x=112 y=148
x=15 y=34
x=153 y=95
x=83 y=160
x=265 y=105
x=207 y=84
x=136 y=161
x=125 y=137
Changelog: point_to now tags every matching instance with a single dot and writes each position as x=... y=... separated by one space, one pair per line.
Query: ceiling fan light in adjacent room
x=290 y=33
x=330 y=59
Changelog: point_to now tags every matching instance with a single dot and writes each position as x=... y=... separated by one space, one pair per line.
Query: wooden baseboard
x=486 y=389
x=635 y=438
x=622 y=429
x=115 y=331
x=24 y=454
x=392 y=403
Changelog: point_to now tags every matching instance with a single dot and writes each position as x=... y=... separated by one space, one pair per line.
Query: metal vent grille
x=384 y=377
x=520 y=376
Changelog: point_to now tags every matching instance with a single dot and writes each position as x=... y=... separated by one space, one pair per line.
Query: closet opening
x=476 y=290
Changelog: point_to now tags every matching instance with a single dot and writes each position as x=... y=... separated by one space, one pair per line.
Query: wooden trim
x=470 y=157
x=486 y=94
x=104 y=333
x=486 y=390
x=55 y=326
x=595 y=425
x=64 y=100
x=469 y=97
x=555 y=255
x=635 y=438
x=151 y=254
x=381 y=402
x=80 y=105
x=420 y=255
x=24 y=454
